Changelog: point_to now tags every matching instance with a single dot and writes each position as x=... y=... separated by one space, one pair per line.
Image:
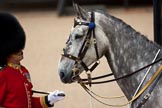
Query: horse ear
x=81 y=13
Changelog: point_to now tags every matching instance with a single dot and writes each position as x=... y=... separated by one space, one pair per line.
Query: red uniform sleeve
x=3 y=89
x=40 y=102
x=36 y=102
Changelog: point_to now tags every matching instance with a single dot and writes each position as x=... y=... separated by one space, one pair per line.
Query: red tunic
x=16 y=89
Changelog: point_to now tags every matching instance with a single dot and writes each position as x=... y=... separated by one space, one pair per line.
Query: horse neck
x=127 y=51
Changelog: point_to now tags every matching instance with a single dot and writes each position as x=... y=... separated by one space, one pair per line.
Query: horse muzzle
x=69 y=77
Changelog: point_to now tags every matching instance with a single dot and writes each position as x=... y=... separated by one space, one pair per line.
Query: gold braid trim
x=13 y=65
x=43 y=103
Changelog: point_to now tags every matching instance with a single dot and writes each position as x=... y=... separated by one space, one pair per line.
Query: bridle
x=86 y=44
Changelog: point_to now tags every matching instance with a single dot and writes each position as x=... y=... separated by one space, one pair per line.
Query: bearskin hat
x=12 y=36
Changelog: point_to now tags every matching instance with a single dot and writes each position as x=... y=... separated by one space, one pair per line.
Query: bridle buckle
x=75 y=74
x=89 y=78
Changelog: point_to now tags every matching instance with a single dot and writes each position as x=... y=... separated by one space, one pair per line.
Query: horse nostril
x=62 y=75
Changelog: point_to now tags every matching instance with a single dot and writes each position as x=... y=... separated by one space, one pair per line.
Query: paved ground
x=46 y=36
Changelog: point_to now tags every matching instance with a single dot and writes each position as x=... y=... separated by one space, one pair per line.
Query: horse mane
x=125 y=26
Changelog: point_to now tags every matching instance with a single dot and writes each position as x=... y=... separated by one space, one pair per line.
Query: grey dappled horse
x=125 y=49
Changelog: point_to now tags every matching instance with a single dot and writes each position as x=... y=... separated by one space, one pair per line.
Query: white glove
x=55 y=96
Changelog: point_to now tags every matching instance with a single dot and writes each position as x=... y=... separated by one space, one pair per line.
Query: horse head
x=96 y=34
x=83 y=47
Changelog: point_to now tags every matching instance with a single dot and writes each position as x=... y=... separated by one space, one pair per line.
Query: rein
x=40 y=92
x=157 y=75
x=116 y=79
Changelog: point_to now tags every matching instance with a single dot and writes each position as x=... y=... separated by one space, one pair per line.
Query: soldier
x=15 y=85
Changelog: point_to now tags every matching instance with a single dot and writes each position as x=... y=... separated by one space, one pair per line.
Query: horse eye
x=78 y=36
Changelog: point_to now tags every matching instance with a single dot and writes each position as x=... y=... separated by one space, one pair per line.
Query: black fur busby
x=12 y=36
